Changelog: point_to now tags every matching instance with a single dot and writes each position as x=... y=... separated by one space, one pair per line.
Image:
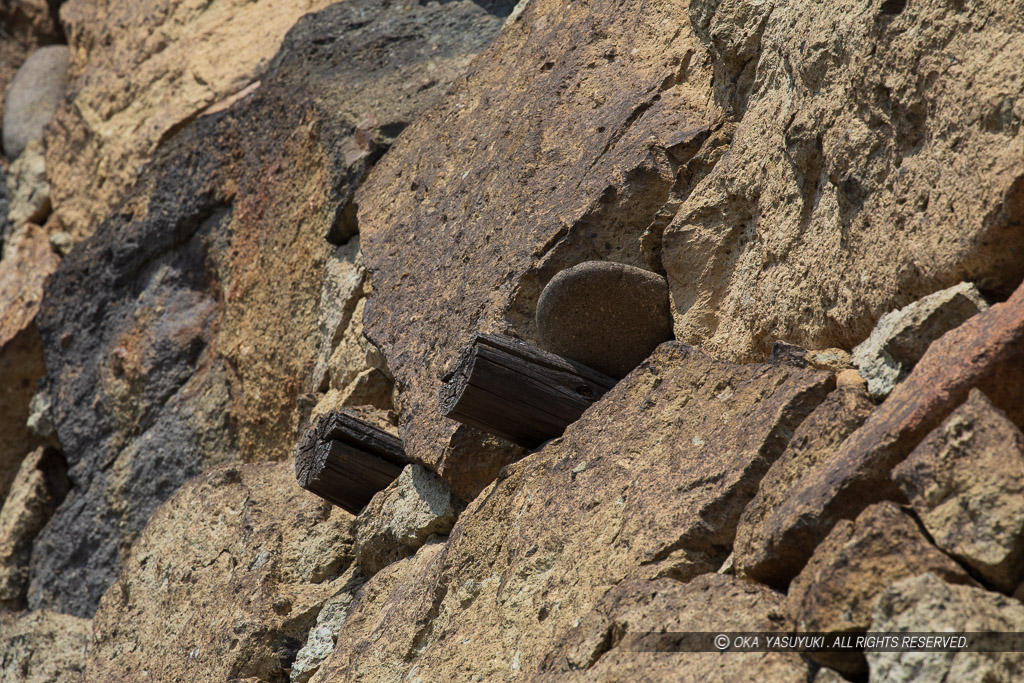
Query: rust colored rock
x=182 y=333
x=813 y=442
x=966 y=483
x=648 y=484
x=609 y=643
x=562 y=144
x=986 y=352
x=608 y=316
x=874 y=158
x=27 y=262
x=225 y=582
x=836 y=591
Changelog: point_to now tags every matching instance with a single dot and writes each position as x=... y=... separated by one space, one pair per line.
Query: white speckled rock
x=901 y=337
x=400 y=519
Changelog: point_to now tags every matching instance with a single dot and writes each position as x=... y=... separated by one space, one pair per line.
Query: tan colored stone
x=225 y=581
x=851 y=378
x=33 y=96
x=43 y=647
x=814 y=441
x=836 y=360
x=875 y=159
x=27 y=262
x=837 y=589
x=400 y=519
x=966 y=483
x=926 y=604
x=37 y=490
x=138 y=75
x=608 y=645
x=27 y=25
x=649 y=483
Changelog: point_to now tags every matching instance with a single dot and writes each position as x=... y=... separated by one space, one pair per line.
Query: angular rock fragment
x=181 y=335
x=655 y=475
x=43 y=646
x=561 y=145
x=926 y=604
x=836 y=591
x=901 y=337
x=28 y=193
x=608 y=316
x=402 y=517
x=610 y=644
x=37 y=490
x=813 y=442
x=986 y=352
x=32 y=97
x=966 y=483
x=321 y=638
x=225 y=581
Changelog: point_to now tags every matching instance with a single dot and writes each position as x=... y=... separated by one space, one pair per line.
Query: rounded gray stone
x=33 y=96
x=608 y=316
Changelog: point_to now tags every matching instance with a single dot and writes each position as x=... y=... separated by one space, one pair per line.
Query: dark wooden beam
x=345 y=460
x=518 y=392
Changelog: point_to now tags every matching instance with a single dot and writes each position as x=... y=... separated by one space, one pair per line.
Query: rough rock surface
x=858 y=560
x=27 y=262
x=400 y=519
x=33 y=96
x=814 y=440
x=141 y=71
x=521 y=567
x=37 y=490
x=874 y=159
x=986 y=352
x=901 y=337
x=561 y=144
x=27 y=24
x=606 y=645
x=966 y=483
x=183 y=332
x=28 y=193
x=928 y=604
x=42 y=647
x=225 y=582
x=321 y=638
x=608 y=316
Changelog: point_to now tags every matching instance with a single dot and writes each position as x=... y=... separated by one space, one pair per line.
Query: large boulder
x=182 y=334
x=33 y=96
x=141 y=71
x=648 y=484
x=874 y=158
x=226 y=581
x=564 y=143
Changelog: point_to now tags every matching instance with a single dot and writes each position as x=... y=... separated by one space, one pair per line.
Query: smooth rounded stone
x=608 y=316
x=33 y=97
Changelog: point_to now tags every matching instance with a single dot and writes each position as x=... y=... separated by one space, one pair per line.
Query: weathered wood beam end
x=513 y=390
x=345 y=460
